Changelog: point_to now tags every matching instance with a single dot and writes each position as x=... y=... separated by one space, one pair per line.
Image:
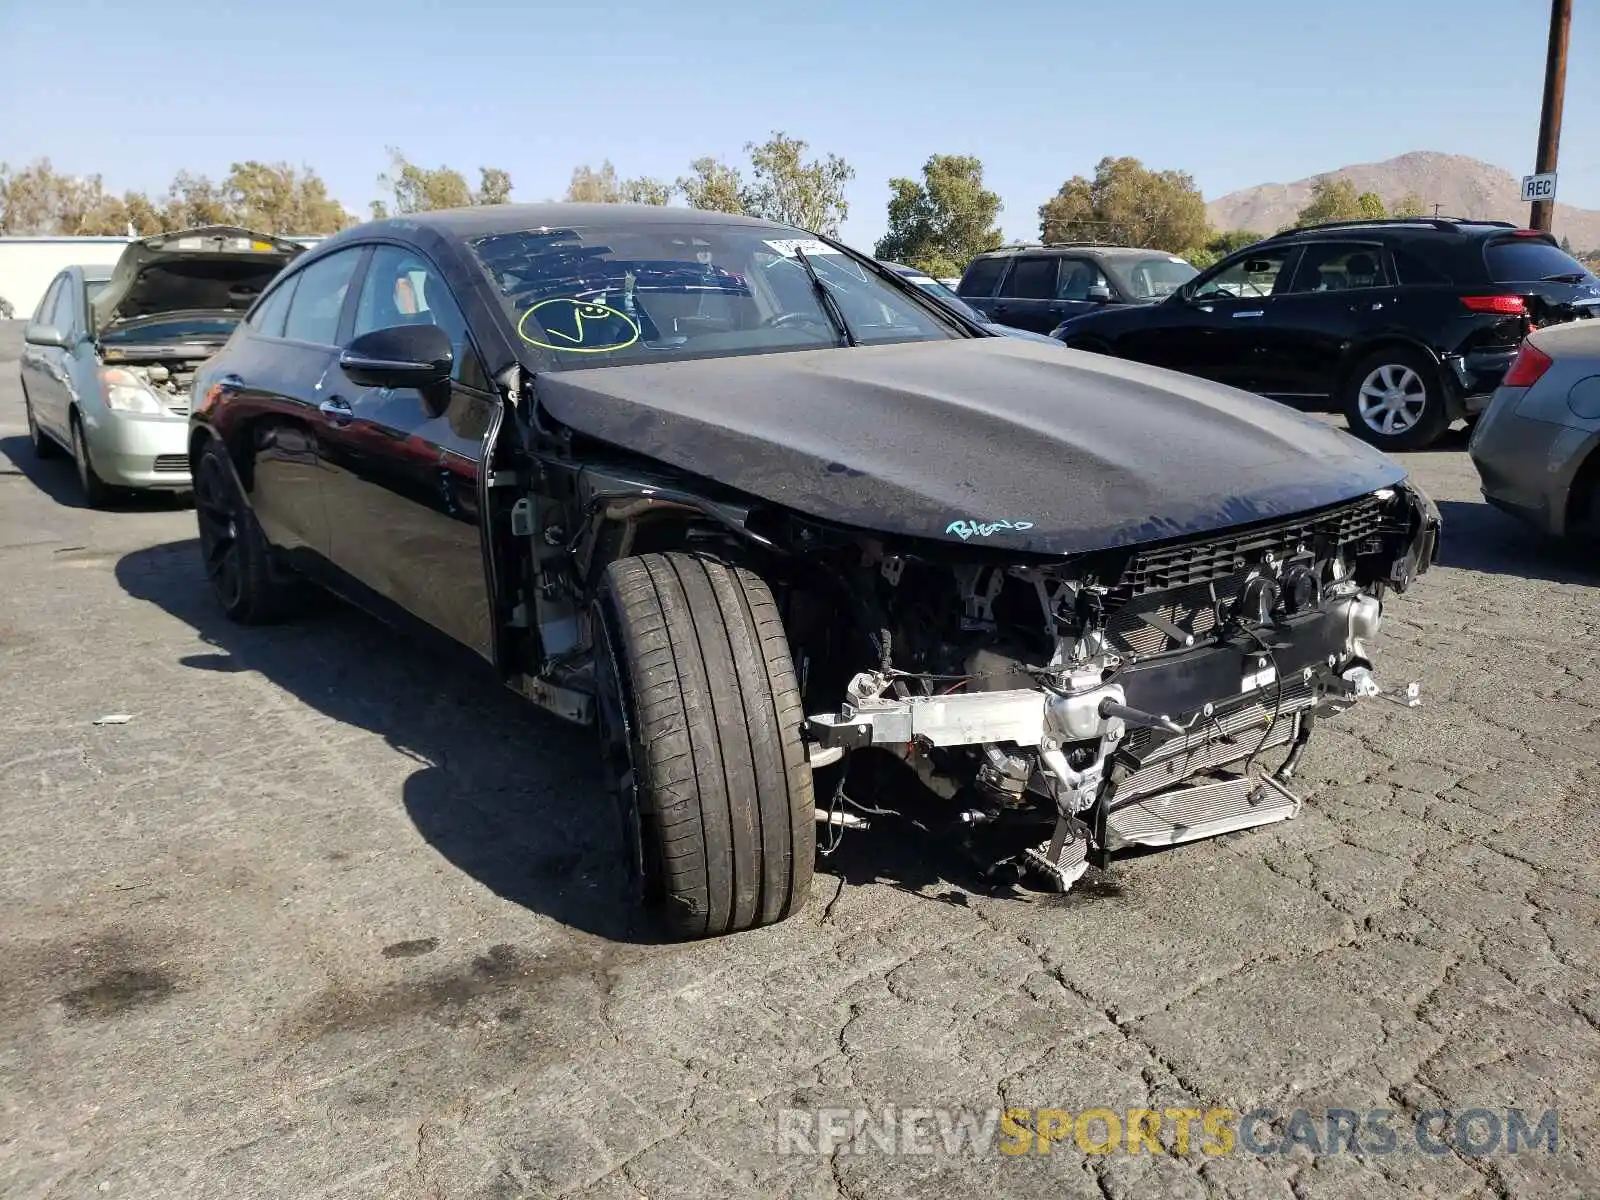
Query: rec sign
x=1539 y=187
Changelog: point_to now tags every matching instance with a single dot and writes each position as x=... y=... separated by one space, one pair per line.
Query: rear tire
x=44 y=446
x=236 y=555
x=700 y=726
x=1394 y=399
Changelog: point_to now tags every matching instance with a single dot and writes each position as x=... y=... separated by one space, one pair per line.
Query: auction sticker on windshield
x=787 y=246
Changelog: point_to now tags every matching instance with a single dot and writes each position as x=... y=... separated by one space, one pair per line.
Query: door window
x=65 y=314
x=1340 y=267
x=402 y=288
x=981 y=277
x=1078 y=275
x=1251 y=277
x=319 y=298
x=1032 y=279
x=268 y=318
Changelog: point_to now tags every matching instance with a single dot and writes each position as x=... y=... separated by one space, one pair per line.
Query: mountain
x=1460 y=186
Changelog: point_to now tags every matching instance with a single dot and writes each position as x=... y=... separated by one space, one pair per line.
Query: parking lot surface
x=328 y=917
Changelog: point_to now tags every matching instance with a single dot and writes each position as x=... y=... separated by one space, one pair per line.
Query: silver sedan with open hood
x=107 y=361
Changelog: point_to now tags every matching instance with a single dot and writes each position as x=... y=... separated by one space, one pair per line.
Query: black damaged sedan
x=767 y=518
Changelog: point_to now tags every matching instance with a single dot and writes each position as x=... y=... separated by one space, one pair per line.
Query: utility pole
x=1555 y=89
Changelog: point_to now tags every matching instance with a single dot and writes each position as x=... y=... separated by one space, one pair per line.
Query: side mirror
x=401 y=356
x=38 y=334
x=1100 y=294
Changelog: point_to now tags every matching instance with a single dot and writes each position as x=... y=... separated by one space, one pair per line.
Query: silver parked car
x=109 y=354
x=1537 y=446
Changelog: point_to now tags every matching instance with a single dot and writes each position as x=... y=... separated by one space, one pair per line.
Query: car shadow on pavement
x=502 y=791
x=1478 y=537
x=58 y=479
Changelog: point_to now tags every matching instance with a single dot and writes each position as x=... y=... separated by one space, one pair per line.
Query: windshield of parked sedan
x=206 y=327
x=1153 y=278
x=938 y=290
x=604 y=295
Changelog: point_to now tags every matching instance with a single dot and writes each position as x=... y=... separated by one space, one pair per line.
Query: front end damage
x=1118 y=699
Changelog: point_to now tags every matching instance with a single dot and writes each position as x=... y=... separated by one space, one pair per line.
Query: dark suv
x=1404 y=325
x=1038 y=286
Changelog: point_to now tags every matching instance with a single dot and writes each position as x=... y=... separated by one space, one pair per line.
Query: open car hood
x=989 y=441
x=216 y=269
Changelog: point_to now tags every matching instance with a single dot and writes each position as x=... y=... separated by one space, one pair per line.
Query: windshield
x=945 y=296
x=175 y=327
x=603 y=295
x=1152 y=278
x=1527 y=260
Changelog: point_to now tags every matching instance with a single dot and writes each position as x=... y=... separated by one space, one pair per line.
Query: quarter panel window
x=47 y=303
x=268 y=319
x=319 y=298
x=981 y=277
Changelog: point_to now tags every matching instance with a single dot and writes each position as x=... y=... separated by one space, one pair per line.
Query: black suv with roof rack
x=1405 y=325
x=1037 y=285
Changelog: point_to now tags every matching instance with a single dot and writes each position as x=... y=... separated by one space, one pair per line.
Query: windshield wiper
x=1564 y=277
x=824 y=297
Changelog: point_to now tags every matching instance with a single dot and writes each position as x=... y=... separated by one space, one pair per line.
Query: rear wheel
x=44 y=446
x=237 y=558
x=1394 y=398
x=700 y=733
x=95 y=493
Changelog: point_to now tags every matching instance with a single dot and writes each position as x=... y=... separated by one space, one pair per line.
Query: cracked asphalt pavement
x=329 y=917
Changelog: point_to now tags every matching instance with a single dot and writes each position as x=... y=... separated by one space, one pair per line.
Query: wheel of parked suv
x=700 y=720
x=44 y=446
x=237 y=558
x=1394 y=399
x=95 y=493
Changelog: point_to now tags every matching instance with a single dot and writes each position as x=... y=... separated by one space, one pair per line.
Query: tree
x=422 y=189
x=39 y=200
x=274 y=198
x=1220 y=245
x=494 y=186
x=713 y=186
x=589 y=186
x=194 y=200
x=1371 y=206
x=645 y=190
x=941 y=223
x=1566 y=245
x=1409 y=205
x=1335 y=200
x=1127 y=204
x=787 y=189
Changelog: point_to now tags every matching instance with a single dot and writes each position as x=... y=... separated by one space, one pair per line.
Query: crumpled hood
x=217 y=269
x=990 y=441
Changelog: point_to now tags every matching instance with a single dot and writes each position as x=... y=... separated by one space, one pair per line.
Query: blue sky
x=1236 y=93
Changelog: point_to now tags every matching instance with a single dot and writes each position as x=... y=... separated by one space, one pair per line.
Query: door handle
x=1260 y=312
x=336 y=410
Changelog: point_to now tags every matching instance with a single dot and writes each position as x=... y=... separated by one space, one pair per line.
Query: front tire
x=1394 y=398
x=700 y=723
x=238 y=560
x=95 y=493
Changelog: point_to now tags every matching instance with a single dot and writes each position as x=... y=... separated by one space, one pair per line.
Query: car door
x=1027 y=296
x=1075 y=288
x=1338 y=292
x=402 y=471
x=1214 y=327
x=978 y=283
x=278 y=380
x=40 y=372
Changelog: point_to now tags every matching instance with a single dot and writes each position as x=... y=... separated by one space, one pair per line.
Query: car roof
x=1392 y=227
x=484 y=219
x=1090 y=248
